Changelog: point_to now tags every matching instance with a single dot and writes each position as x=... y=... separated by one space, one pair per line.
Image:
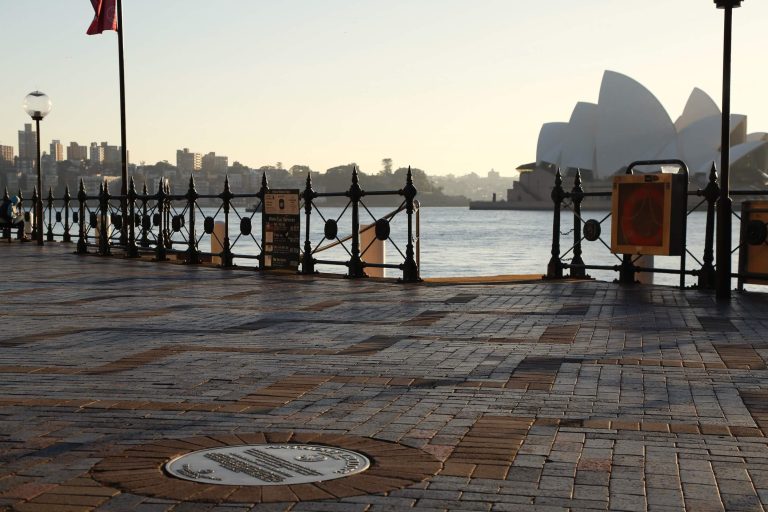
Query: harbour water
x=459 y=242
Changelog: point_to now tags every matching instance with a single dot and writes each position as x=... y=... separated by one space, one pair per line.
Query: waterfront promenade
x=484 y=397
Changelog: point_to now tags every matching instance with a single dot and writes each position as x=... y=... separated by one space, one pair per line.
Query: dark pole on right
x=123 y=143
x=724 y=206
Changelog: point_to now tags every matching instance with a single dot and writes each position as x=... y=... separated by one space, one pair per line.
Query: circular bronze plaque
x=267 y=464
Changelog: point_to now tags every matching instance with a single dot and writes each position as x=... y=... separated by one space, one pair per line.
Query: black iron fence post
x=146 y=222
x=226 y=197
x=193 y=254
x=355 y=264
x=67 y=198
x=410 y=267
x=21 y=209
x=37 y=221
x=555 y=266
x=49 y=232
x=262 y=194
x=132 y=251
x=160 y=246
x=166 y=209
x=577 y=196
x=707 y=275
x=307 y=261
x=82 y=244
x=104 y=249
x=626 y=270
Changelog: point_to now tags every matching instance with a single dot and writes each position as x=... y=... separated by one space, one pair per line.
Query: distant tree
x=338 y=178
x=299 y=171
x=279 y=165
x=386 y=164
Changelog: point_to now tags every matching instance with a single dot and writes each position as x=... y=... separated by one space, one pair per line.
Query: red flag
x=105 y=17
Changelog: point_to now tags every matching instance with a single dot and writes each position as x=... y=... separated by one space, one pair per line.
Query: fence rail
x=166 y=225
x=627 y=265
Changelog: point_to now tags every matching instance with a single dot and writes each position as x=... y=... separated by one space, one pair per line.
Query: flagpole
x=124 y=147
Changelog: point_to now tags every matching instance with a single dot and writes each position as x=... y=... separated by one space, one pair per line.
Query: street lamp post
x=724 y=206
x=38 y=105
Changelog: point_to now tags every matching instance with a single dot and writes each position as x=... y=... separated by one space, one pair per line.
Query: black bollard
x=577 y=196
x=707 y=275
x=226 y=197
x=262 y=194
x=146 y=222
x=410 y=267
x=49 y=232
x=160 y=254
x=308 y=262
x=355 y=264
x=193 y=254
x=555 y=266
x=104 y=249
x=36 y=222
x=132 y=250
x=67 y=199
x=82 y=243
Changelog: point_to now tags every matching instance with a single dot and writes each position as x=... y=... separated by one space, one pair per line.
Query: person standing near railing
x=10 y=214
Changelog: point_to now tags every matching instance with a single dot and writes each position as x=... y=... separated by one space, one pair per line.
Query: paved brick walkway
x=540 y=396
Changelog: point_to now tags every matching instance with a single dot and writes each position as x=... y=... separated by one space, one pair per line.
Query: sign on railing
x=281 y=229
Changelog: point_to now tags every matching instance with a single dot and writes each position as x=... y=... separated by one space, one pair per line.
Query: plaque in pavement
x=267 y=464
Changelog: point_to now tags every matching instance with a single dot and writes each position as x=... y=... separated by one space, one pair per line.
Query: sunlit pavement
x=541 y=396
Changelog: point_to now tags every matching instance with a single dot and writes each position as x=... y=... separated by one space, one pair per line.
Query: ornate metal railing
x=356 y=263
x=628 y=265
x=176 y=226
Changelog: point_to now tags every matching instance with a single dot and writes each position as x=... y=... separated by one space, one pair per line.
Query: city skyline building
x=111 y=154
x=97 y=154
x=27 y=143
x=211 y=163
x=57 y=150
x=77 y=152
x=6 y=154
x=187 y=161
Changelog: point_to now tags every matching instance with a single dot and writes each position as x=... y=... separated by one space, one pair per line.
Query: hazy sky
x=449 y=86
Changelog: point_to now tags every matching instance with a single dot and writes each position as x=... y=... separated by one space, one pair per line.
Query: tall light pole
x=724 y=206
x=38 y=105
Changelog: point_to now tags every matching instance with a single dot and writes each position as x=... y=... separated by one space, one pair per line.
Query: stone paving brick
x=540 y=396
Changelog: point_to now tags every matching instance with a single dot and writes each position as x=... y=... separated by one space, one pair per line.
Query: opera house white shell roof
x=628 y=123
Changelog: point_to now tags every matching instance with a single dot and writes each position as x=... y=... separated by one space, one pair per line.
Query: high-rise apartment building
x=97 y=154
x=111 y=154
x=187 y=161
x=215 y=164
x=6 y=155
x=27 y=143
x=77 y=152
x=57 y=151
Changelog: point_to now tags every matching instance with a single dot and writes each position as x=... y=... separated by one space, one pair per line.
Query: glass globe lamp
x=37 y=104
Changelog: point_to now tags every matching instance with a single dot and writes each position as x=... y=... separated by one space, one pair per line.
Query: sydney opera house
x=627 y=124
